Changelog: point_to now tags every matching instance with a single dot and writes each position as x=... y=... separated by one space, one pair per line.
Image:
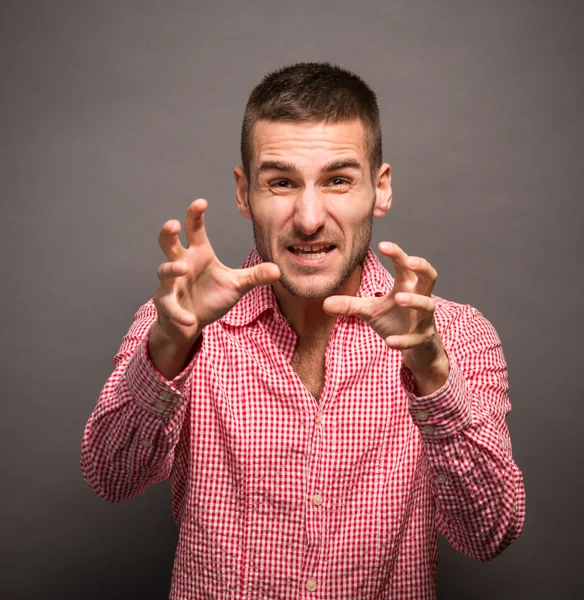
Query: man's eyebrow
x=337 y=165
x=276 y=165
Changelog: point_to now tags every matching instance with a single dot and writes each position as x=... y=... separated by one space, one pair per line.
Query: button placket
x=316 y=538
x=313 y=487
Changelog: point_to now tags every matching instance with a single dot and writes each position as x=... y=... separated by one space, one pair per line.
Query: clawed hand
x=196 y=289
x=404 y=317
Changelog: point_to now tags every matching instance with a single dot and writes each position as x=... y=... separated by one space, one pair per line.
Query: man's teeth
x=311 y=252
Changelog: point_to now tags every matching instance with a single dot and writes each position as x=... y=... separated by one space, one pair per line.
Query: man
x=320 y=421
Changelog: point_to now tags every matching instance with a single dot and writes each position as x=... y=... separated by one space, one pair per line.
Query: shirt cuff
x=443 y=413
x=149 y=388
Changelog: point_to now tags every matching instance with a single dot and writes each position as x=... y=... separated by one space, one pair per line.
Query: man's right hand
x=195 y=290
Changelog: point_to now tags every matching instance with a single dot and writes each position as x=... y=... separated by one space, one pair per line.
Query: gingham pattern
x=247 y=449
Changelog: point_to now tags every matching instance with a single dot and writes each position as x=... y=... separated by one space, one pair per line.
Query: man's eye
x=339 y=181
x=281 y=183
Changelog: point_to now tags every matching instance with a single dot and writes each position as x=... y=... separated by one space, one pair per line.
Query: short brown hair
x=313 y=92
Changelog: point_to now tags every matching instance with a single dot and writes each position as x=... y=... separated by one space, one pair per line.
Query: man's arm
x=130 y=439
x=479 y=492
x=478 y=488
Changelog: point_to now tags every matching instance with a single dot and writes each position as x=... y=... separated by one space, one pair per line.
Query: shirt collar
x=375 y=281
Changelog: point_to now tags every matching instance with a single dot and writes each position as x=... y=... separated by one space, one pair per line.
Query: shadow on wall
x=121 y=551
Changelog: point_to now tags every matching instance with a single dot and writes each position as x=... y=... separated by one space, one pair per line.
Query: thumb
x=262 y=274
x=344 y=306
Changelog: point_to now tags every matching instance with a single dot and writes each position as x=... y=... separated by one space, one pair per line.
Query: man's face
x=311 y=200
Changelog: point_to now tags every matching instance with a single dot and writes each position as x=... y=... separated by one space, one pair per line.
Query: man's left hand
x=404 y=317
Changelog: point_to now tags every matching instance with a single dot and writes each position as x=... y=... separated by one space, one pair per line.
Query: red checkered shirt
x=278 y=495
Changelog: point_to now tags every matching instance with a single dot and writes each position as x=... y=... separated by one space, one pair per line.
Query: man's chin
x=309 y=288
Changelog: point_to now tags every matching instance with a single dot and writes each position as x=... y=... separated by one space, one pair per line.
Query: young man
x=320 y=421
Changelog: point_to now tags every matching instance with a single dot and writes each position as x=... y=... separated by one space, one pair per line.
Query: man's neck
x=306 y=315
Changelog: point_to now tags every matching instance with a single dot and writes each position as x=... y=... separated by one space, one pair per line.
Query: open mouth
x=315 y=251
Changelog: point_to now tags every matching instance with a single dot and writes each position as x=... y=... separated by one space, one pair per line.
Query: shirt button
x=317 y=499
x=161 y=405
x=440 y=478
x=428 y=430
x=146 y=443
x=319 y=417
x=166 y=395
x=311 y=584
x=422 y=415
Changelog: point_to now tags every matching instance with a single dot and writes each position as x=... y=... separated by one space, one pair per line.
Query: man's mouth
x=314 y=251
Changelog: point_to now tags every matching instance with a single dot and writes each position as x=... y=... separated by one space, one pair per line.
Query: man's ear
x=383 y=194
x=241 y=192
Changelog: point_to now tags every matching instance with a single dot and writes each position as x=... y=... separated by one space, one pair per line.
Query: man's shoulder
x=446 y=311
x=457 y=322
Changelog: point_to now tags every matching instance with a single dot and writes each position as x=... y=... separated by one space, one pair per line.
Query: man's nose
x=309 y=211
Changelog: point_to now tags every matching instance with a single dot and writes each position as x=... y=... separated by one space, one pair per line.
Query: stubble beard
x=361 y=247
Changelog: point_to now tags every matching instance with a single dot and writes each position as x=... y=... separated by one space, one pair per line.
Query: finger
x=348 y=305
x=262 y=274
x=169 y=271
x=407 y=341
x=194 y=222
x=167 y=304
x=426 y=273
x=399 y=259
x=418 y=302
x=169 y=241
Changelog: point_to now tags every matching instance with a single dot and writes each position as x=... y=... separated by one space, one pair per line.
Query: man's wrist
x=430 y=379
x=168 y=357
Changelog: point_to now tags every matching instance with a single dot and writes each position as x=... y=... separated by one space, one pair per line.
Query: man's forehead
x=353 y=129
x=278 y=139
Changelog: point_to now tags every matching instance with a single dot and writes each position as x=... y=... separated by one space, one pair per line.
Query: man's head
x=317 y=92
x=312 y=175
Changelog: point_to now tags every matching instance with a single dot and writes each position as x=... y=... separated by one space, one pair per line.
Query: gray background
x=115 y=115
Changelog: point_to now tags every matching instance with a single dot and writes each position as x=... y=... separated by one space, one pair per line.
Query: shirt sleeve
x=478 y=488
x=130 y=438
